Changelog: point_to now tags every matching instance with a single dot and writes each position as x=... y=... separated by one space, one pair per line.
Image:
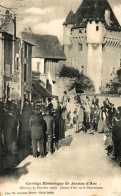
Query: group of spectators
x=37 y=128
x=40 y=129
x=102 y=119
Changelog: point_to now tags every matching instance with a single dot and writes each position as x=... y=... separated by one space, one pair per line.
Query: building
x=91 y=39
x=15 y=66
x=47 y=57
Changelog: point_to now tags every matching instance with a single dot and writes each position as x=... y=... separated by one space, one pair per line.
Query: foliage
x=115 y=84
x=69 y=72
x=82 y=82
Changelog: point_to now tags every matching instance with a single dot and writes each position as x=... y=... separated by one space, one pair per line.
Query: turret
x=95 y=32
x=67 y=26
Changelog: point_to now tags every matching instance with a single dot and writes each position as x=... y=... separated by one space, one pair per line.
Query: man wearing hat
x=50 y=123
x=37 y=127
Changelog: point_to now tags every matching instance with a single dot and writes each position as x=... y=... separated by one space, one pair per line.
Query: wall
x=111 y=59
x=95 y=65
x=75 y=57
x=34 y=64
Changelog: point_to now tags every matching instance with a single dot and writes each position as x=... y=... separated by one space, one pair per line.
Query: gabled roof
x=70 y=19
x=94 y=10
x=46 y=46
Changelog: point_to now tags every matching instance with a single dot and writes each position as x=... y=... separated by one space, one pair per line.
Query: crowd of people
x=101 y=119
x=41 y=128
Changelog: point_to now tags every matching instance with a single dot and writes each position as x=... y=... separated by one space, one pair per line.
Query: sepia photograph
x=60 y=97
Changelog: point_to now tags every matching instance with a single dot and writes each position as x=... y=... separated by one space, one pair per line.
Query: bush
x=69 y=72
x=82 y=83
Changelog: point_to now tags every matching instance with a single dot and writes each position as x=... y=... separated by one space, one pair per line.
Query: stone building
x=91 y=39
x=15 y=65
x=47 y=58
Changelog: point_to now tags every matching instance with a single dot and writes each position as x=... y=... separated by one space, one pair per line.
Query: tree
x=69 y=72
x=114 y=85
x=82 y=82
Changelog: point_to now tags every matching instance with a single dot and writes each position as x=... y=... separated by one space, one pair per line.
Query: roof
x=46 y=46
x=70 y=18
x=94 y=10
x=39 y=90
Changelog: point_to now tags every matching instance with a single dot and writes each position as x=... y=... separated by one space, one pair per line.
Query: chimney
x=107 y=17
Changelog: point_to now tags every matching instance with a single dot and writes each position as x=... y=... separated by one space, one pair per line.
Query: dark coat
x=50 y=123
x=95 y=101
x=116 y=131
x=37 y=126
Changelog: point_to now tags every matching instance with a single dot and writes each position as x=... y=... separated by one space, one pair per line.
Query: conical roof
x=94 y=10
x=70 y=19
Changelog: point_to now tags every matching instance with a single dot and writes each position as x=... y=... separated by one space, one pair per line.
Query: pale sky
x=47 y=16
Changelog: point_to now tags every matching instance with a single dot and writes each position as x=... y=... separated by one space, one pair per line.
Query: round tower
x=95 y=34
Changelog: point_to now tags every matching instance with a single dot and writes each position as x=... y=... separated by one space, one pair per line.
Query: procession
x=40 y=129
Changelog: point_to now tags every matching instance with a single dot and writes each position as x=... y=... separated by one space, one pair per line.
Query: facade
x=15 y=62
x=47 y=57
x=92 y=38
x=15 y=69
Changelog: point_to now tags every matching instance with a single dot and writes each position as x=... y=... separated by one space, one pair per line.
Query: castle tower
x=67 y=26
x=97 y=29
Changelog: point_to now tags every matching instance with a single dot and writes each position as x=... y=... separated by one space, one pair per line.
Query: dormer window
x=97 y=28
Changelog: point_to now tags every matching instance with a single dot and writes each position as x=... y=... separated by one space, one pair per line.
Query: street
x=82 y=158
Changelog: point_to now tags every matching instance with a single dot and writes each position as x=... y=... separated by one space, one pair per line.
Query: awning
x=41 y=91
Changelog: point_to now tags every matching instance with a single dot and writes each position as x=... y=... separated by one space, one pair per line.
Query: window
x=17 y=63
x=25 y=51
x=80 y=47
x=38 y=67
x=25 y=72
x=97 y=28
x=45 y=68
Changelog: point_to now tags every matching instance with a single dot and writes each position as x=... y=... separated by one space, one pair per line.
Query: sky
x=47 y=16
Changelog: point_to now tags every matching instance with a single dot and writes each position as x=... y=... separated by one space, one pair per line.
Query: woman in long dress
x=101 y=123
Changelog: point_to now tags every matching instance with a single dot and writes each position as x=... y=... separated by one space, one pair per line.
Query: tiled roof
x=95 y=10
x=45 y=46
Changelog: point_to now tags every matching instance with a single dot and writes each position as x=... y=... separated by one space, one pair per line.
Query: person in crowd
x=50 y=105
x=37 y=127
x=50 y=132
x=80 y=118
x=116 y=132
x=65 y=98
x=87 y=112
x=64 y=118
x=92 y=109
x=55 y=104
x=10 y=128
x=24 y=140
x=106 y=103
x=95 y=119
x=102 y=121
x=95 y=101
